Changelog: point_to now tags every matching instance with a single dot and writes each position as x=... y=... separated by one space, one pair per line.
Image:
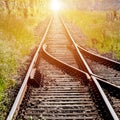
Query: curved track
x=62 y=91
x=104 y=67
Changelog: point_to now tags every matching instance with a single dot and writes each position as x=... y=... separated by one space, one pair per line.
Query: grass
x=8 y=65
x=16 y=40
x=16 y=31
x=102 y=34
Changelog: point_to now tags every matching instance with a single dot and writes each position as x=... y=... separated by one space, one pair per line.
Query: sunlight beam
x=55 y=5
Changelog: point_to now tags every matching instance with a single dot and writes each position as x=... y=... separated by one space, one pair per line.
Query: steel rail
x=99 y=58
x=61 y=63
x=23 y=88
x=100 y=78
x=88 y=70
x=65 y=65
x=76 y=69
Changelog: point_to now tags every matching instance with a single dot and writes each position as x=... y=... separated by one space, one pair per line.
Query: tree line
x=23 y=7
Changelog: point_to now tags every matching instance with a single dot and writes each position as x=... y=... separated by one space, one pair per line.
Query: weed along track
x=58 y=85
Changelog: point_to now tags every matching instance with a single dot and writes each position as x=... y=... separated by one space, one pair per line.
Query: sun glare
x=55 y=5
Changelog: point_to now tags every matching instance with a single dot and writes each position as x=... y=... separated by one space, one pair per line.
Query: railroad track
x=106 y=70
x=58 y=84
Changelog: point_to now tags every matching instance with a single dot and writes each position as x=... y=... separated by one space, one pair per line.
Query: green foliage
x=8 y=65
x=16 y=40
x=17 y=21
x=15 y=30
x=106 y=34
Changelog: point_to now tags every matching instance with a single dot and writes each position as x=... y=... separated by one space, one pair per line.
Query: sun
x=55 y=5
